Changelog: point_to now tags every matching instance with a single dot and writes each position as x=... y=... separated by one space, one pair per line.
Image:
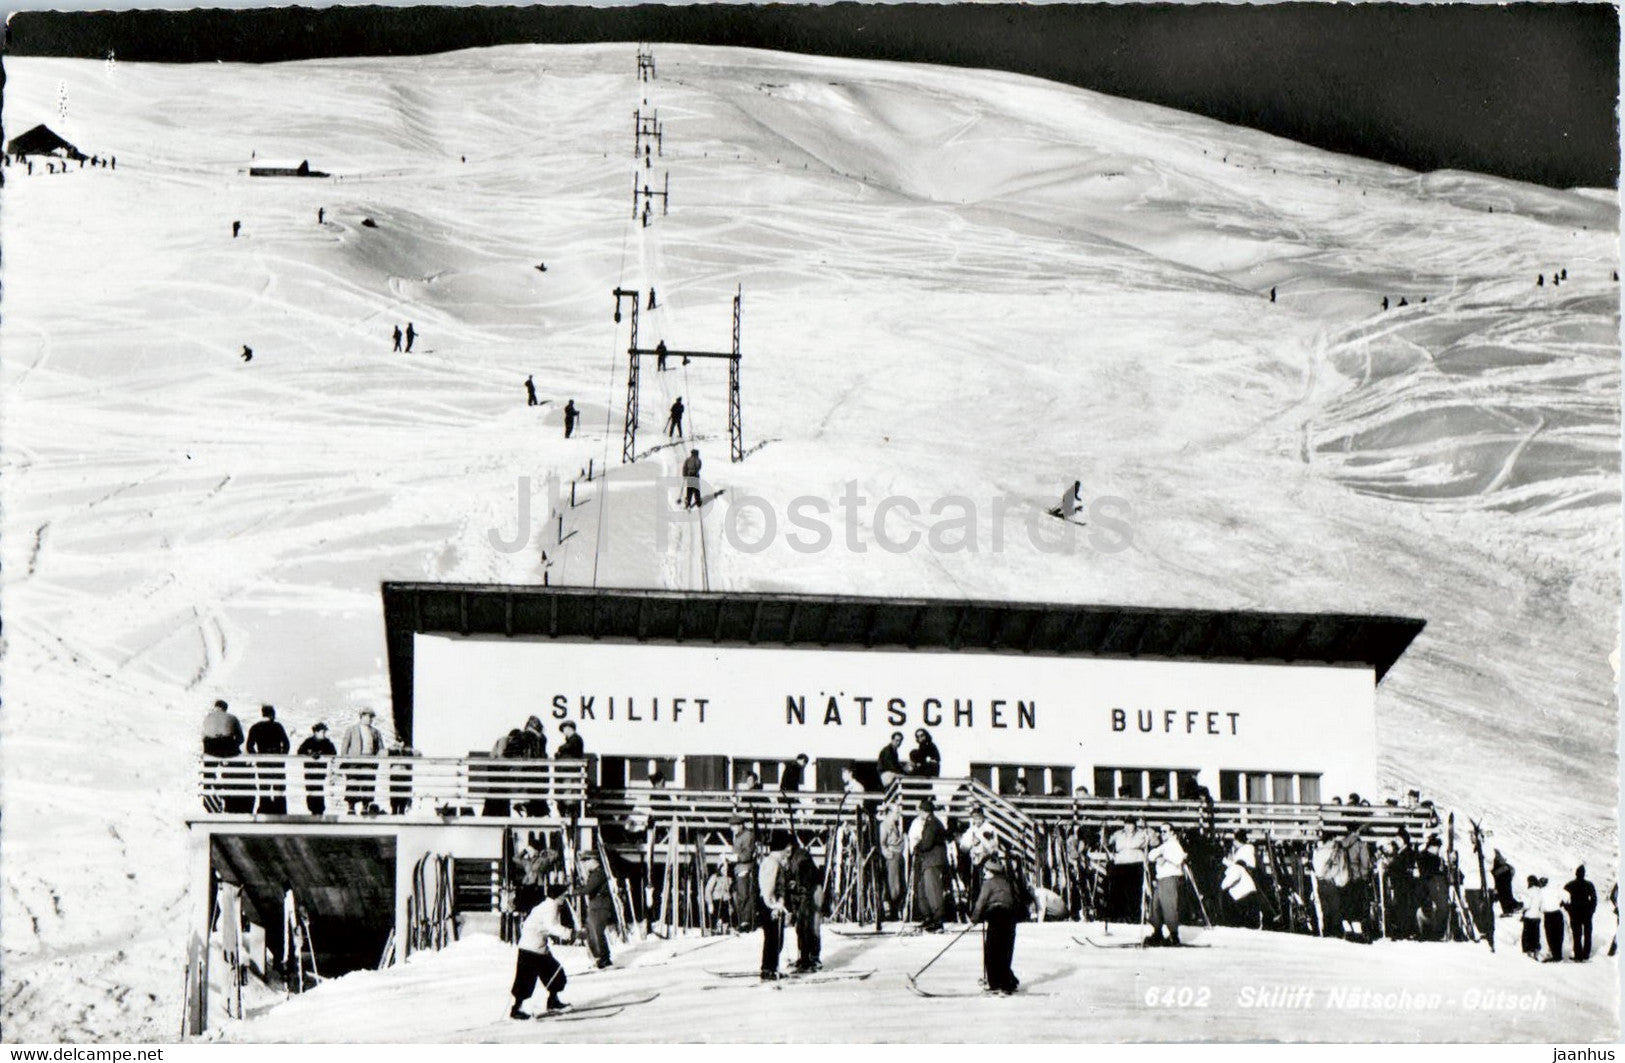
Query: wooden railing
x=765 y=810
x=957 y=796
x=1282 y=821
x=295 y=785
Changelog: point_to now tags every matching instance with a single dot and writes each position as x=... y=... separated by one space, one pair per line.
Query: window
x=1011 y=779
x=1278 y=787
x=1160 y=784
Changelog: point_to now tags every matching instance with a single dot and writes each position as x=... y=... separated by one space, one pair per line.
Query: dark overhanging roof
x=845 y=621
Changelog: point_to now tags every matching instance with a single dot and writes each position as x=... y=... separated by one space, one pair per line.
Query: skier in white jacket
x=535 y=961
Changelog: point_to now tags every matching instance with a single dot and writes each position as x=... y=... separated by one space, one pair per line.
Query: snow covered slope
x=956 y=283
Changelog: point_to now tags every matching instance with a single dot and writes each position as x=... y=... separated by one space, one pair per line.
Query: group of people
x=409 y=336
x=571 y=414
x=224 y=738
x=1545 y=906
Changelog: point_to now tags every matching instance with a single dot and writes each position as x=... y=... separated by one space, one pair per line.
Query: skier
x=535 y=961
x=674 y=423
x=600 y=909
x=1272 y=293
x=1402 y=301
x=930 y=842
x=1168 y=862
x=1582 y=906
x=397 y=336
x=744 y=875
x=267 y=736
x=1531 y=917
x=236 y=227
x=691 y=482
x=317 y=745
x=1070 y=501
x=924 y=759
x=541 y=267
x=411 y=334
x=1540 y=280
x=1385 y=302
x=892 y=840
x=248 y=353
x=321 y=215
x=1551 y=911
x=1434 y=894
x=571 y=416
x=1238 y=885
x=660 y=357
x=770 y=908
x=530 y=395
x=651 y=299
x=996 y=906
x=804 y=898
x=1501 y=872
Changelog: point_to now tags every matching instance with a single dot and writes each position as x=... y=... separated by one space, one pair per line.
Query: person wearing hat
x=570 y=747
x=996 y=907
x=535 y=961
x=317 y=745
x=361 y=739
x=600 y=908
x=930 y=839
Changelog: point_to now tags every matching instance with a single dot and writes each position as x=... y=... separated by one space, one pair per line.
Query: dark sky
x=1521 y=90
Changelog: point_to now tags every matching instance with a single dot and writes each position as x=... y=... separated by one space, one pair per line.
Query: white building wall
x=644 y=699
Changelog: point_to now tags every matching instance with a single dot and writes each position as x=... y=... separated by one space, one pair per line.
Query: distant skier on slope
x=248 y=353
x=1070 y=501
x=397 y=337
x=321 y=215
x=1272 y=293
x=411 y=334
x=691 y=481
x=660 y=357
x=571 y=416
x=236 y=227
x=674 y=423
x=530 y=393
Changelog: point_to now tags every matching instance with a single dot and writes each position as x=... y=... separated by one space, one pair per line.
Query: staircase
x=957 y=796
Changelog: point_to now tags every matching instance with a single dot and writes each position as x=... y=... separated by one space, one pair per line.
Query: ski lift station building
x=1045 y=715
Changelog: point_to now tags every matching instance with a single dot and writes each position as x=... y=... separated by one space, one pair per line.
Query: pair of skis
x=1137 y=943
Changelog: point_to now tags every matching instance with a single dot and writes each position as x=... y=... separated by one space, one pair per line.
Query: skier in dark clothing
x=651 y=298
x=600 y=909
x=411 y=334
x=1272 y=293
x=397 y=337
x=674 y=423
x=930 y=867
x=691 y=481
x=530 y=393
x=317 y=745
x=267 y=736
x=248 y=353
x=1385 y=302
x=236 y=227
x=660 y=357
x=1582 y=906
x=571 y=416
x=321 y=215
x=772 y=888
x=924 y=759
x=1502 y=873
x=804 y=897
x=996 y=906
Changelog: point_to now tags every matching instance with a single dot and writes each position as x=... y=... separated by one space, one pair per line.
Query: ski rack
x=629 y=432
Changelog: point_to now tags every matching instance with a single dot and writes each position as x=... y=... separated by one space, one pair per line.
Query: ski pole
x=968 y=928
